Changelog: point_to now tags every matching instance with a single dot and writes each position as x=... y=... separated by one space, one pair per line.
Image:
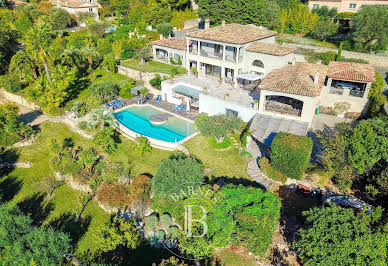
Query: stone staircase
x=253 y=167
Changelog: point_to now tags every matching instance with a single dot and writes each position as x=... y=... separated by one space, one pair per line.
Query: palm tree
x=38 y=40
x=90 y=53
x=71 y=56
x=100 y=118
x=22 y=65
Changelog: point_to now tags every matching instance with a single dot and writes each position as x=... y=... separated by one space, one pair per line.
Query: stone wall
x=18 y=99
x=192 y=23
x=143 y=76
x=374 y=60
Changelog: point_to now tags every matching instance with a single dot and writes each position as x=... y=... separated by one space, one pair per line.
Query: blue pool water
x=136 y=118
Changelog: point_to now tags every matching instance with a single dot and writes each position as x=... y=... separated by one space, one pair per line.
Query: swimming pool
x=136 y=118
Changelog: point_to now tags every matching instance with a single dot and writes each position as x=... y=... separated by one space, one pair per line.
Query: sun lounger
x=180 y=107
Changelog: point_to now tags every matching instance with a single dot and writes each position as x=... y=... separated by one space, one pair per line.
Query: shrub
x=114 y=194
x=140 y=192
x=156 y=82
x=354 y=60
x=164 y=29
x=172 y=61
x=217 y=126
x=110 y=62
x=166 y=220
x=220 y=145
x=143 y=146
x=83 y=125
x=98 y=29
x=127 y=54
x=60 y=18
x=11 y=83
x=161 y=235
x=327 y=57
x=175 y=173
x=125 y=92
x=173 y=231
x=151 y=222
x=245 y=154
x=270 y=172
x=290 y=154
x=179 y=60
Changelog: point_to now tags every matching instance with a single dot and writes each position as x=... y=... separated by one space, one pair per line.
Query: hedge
x=270 y=172
x=290 y=154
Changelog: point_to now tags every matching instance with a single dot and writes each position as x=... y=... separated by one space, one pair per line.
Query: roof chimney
x=207 y=24
x=223 y=23
x=316 y=78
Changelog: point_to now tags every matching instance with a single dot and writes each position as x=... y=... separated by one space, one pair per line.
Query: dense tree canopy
x=8 y=45
x=369 y=27
x=22 y=244
x=177 y=172
x=338 y=236
x=259 y=12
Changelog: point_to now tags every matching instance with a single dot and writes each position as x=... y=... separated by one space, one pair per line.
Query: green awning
x=187 y=91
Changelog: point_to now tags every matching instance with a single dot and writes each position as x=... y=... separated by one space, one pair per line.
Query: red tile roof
x=270 y=48
x=74 y=3
x=350 y=71
x=297 y=79
x=175 y=43
x=233 y=33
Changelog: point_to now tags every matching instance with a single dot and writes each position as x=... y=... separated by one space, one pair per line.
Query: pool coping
x=161 y=144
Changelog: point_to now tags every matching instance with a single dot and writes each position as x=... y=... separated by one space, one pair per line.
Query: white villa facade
x=78 y=6
x=243 y=72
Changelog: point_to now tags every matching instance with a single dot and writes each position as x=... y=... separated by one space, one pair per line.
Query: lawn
x=99 y=75
x=153 y=66
x=23 y=185
x=228 y=257
x=223 y=163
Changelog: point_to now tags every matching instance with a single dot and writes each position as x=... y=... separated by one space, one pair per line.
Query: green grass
x=99 y=75
x=220 y=145
x=229 y=258
x=153 y=66
x=226 y=163
x=65 y=202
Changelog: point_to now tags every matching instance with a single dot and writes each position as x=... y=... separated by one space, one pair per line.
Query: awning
x=187 y=91
x=251 y=76
x=135 y=90
x=265 y=127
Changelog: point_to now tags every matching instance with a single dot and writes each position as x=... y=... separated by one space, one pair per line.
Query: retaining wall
x=18 y=99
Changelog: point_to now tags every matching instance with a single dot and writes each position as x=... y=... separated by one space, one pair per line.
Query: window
x=352 y=6
x=231 y=113
x=258 y=63
x=315 y=6
x=90 y=9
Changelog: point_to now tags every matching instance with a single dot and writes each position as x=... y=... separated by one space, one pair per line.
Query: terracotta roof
x=350 y=71
x=297 y=79
x=175 y=43
x=270 y=48
x=74 y=3
x=233 y=33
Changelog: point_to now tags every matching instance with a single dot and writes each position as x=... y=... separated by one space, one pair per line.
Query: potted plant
x=256 y=105
x=221 y=79
x=205 y=90
x=171 y=78
x=226 y=97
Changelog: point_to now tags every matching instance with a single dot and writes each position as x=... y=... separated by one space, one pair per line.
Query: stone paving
x=253 y=167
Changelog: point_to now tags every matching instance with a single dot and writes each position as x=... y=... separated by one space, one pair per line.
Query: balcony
x=211 y=54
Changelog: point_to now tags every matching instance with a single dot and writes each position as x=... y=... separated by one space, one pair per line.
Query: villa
x=345 y=5
x=239 y=70
x=78 y=6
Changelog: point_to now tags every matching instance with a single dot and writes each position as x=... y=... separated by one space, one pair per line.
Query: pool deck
x=169 y=107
